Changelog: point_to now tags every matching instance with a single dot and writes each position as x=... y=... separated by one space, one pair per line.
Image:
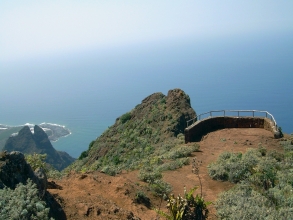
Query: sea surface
x=87 y=90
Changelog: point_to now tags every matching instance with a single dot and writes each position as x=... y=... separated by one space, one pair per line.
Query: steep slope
x=148 y=131
x=37 y=142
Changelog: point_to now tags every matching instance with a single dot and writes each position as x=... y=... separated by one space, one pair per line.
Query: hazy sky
x=29 y=29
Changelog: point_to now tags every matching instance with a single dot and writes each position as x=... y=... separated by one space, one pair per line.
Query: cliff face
x=142 y=133
x=37 y=142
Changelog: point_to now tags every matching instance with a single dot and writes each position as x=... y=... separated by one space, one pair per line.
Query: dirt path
x=99 y=196
x=212 y=145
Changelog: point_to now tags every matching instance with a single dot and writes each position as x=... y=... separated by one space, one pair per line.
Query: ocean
x=87 y=90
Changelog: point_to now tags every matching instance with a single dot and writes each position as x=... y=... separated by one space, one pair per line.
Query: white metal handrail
x=210 y=115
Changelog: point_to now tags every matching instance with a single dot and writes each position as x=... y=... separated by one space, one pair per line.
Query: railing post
x=238 y=114
x=253 y=114
x=224 y=113
x=210 y=114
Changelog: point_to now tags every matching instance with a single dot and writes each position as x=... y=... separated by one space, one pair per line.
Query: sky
x=35 y=28
x=82 y=63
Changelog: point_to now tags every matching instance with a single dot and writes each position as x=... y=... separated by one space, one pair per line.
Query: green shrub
x=187 y=207
x=275 y=155
x=83 y=155
x=287 y=145
x=242 y=202
x=160 y=188
x=173 y=165
x=265 y=173
x=176 y=207
x=53 y=173
x=197 y=207
x=234 y=166
x=163 y=101
x=141 y=198
x=22 y=203
x=125 y=117
x=266 y=192
x=181 y=151
x=262 y=150
x=111 y=170
x=37 y=161
x=149 y=175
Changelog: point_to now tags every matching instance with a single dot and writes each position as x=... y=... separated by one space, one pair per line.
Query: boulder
x=14 y=170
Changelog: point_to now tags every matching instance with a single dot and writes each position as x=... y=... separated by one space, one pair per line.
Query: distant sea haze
x=86 y=92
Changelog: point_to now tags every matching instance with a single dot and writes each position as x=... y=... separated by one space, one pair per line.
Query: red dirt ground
x=99 y=196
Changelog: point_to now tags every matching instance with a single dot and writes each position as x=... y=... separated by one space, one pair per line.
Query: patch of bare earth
x=99 y=196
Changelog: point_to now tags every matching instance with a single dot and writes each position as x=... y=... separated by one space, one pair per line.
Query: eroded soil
x=99 y=196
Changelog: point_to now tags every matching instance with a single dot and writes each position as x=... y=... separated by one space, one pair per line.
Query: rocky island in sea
x=54 y=131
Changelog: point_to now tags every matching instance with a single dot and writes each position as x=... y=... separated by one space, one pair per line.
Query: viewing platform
x=220 y=119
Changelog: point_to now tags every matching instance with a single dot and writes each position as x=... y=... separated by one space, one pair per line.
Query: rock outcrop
x=177 y=110
x=37 y=142
x=14 y=170
x=179 y=102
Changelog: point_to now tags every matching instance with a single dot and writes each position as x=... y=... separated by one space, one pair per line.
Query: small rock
x=126 y=192
x=42 y=179
x=82 y=176
x=99 y=211
x=83 y=209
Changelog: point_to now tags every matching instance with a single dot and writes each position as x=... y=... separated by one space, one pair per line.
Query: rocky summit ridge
x=37 y=142
x=150 y=129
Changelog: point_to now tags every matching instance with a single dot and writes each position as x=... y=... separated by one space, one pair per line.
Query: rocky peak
x=25 y=131
x=178 y=102
x=40 y=134
x=178 y=98
x=39 y=143
x=177 y=106
x=157 y=119
x=153 y=98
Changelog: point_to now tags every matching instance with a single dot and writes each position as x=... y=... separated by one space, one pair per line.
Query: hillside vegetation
x=151 y=134
x=264 y=180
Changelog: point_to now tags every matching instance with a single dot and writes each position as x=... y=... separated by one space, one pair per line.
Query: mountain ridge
x=150 y=129
x=37 y=142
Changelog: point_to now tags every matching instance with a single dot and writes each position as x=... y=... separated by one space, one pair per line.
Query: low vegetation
x=141 y=198
x=22 y=203
x=264 y=188
x=151 y=132
x=189 y=207
x=38 y=161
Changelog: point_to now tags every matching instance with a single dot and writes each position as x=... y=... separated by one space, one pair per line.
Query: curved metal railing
x=226 y=113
